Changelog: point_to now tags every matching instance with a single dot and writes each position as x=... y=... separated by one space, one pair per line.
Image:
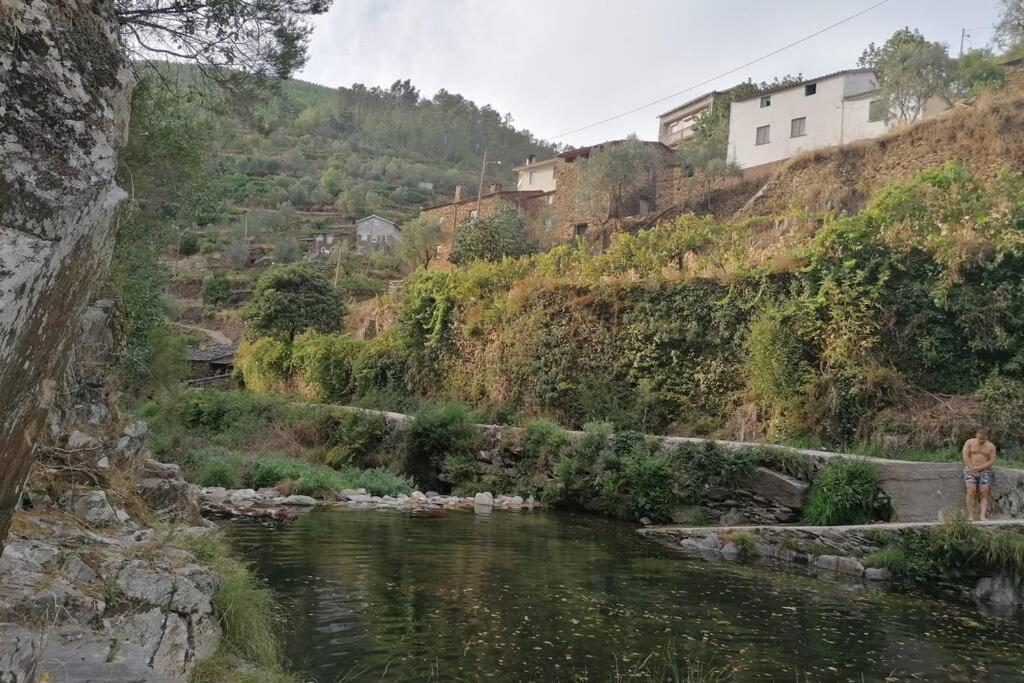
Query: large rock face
x=65 y=93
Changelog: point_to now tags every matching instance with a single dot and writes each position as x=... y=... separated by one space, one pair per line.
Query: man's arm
x=964 y=454
x=990 y=457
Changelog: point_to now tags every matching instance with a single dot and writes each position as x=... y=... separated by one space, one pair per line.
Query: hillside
x=359 y=150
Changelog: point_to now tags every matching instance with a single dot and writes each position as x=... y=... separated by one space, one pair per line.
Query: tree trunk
x=65 y=90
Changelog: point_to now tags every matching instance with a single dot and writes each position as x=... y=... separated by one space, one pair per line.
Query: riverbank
x=982 y=562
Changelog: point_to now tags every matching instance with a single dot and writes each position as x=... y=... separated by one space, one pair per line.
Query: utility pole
x=480 y=185
x=963 y=37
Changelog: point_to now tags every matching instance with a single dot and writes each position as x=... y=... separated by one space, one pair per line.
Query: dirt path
x=212 y=336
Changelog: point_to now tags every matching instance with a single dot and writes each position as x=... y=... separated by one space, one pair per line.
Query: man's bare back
x=979 y=454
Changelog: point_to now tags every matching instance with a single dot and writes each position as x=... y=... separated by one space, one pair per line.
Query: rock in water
x=484 y=499
x=66 y=98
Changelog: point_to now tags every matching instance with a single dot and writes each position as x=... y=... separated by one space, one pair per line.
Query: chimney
x=461 y=192
x=494 y=187
x=529 y=159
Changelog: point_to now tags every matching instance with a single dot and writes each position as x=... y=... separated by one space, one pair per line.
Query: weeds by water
x=665 y=666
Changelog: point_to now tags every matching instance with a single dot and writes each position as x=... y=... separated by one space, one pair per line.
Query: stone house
x=374 y=233
x=546 y=193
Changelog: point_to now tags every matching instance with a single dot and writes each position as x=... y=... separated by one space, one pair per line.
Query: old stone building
x=546 y=193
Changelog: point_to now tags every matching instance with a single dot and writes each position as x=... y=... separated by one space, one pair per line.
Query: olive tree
x=420 y=238
x=1010 y=27
x=502 y=234
x=911 y=70
x=291 y=299
x=614 y=176
x=223 y=38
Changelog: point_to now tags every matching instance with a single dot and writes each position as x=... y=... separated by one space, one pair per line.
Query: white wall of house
x=537 y=176
x=825 y=120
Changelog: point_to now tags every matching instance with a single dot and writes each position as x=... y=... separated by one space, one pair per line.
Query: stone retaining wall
x=919 y=491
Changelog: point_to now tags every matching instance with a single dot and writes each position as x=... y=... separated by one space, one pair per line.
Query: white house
x=831 y=110
x=374 y=232
x=537 y=175
x=676 y=125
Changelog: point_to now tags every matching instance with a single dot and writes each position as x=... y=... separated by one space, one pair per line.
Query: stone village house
x=545 y=193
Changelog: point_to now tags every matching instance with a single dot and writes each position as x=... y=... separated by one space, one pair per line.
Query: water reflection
x=544 y=596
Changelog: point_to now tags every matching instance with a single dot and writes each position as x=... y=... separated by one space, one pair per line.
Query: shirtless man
x=979 y=455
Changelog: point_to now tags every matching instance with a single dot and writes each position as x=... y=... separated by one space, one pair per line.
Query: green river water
x=544 y=596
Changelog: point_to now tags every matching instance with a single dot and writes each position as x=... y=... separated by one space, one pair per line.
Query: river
x=545 y=596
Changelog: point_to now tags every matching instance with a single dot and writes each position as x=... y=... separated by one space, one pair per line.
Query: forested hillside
x=357 y=150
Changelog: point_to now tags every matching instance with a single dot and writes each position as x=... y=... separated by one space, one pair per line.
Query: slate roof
x=211 y=354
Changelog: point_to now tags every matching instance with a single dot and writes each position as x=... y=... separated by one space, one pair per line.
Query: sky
x=558 y=65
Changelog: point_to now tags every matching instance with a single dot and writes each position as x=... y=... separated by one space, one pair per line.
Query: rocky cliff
x=64 y=100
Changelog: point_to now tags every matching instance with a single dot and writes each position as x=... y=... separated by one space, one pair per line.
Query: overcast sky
x=556 y=65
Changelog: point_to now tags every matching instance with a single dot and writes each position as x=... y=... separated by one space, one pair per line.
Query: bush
x=323 y=365
x=846 y=492
x=436 y=433
x=543 y=441
x=188 y=244
x=706 y=465
x=1002 y=401
x=265 y=364
x=219 y=472
x=319 y=480
x=217 y=289
x=356 y=435
x=380 y=365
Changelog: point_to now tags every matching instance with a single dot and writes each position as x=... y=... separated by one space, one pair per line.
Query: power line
x=723 y=74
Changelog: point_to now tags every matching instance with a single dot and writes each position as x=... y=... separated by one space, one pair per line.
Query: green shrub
x=380 y=365
x=436 y=433
x=265 y=364
x=459 y=467
x=354 y=437
x=1002 y=401
x=188 y=244
x=219 y=472
x=783 y=460
x=323 y=365
x=846 y=492
x=650 y=484
x=544 y=440
x=706 y=465
x=217 y=289
x=319 y=480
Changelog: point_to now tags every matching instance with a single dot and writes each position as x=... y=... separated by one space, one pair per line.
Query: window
x=580 y=229
x=551 y=199
x=798 y=127
x=810 y=89
x=549 y=222
x=531 y=177
x=766 y=101
x=472 y=214
x=373 y=238
x=876 y=110
x=762 y=135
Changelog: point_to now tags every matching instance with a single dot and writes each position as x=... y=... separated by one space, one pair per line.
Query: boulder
x=136 y=430
x=20 y=652
x=877 y=574
x=172 y=499
x=355 y=497
x=711 y=542
x=299 y=501
x=730 y=551
x=483 y=499
x=173 y=592
x=92 y=507
x=242 y=497
x=778 y=487
x=998 y=590
x=74 y=568
x=82 y=441
x=153 y=469
x=732 y=518
x=417 y=495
